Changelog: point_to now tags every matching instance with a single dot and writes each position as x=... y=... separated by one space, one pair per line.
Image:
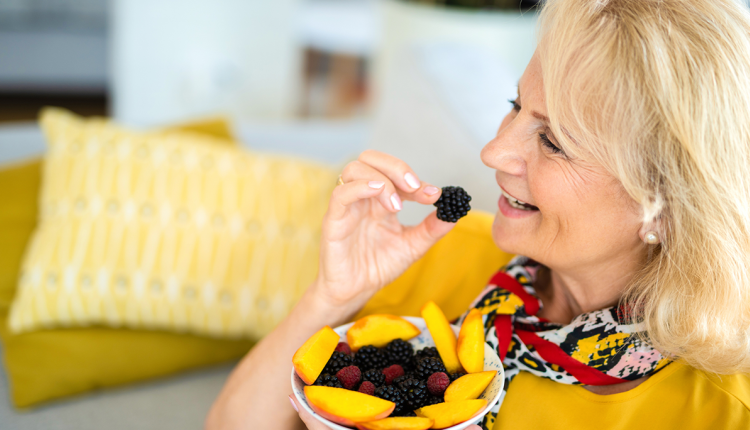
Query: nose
x=505 y=152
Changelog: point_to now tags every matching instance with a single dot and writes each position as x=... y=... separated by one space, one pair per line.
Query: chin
x=509 y=239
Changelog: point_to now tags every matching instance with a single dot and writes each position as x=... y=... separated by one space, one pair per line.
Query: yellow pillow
x=167 y=231
x=49 y=364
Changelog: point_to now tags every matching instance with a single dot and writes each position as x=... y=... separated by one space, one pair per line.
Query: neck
x=566 y=294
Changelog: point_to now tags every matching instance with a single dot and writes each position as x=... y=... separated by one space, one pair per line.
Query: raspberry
x=427 y=366
x=338 y=361
x=400 y=352
x=369 y=357
x=453 y=204
x=437 y=383
x=343 y=347
x=349 y=376
x=327 y=380
x=454 y=376
x=375 y=376
x=367 y=387
x=392 y=372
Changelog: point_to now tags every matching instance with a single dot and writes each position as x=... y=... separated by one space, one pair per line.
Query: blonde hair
x=658 y=92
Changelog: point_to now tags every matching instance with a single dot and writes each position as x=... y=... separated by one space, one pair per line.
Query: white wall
x=177 y=59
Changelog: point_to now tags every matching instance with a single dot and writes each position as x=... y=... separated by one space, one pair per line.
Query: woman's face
x=572 y=213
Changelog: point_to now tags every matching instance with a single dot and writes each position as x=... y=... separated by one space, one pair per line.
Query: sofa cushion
x=167 y=231
x=49 y=364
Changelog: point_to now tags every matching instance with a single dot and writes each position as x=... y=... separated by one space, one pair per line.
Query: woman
x=623 y=173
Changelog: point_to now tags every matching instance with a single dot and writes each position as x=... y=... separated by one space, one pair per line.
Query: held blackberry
x=338 y=361
x=453 y=204
x=427 y=366
x=327 y=380
x=369 y=357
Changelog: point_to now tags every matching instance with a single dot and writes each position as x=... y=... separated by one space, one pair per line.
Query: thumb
x=423 y=235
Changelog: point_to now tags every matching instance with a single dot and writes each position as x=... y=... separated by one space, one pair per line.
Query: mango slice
x=378 y=330
x=471 y=342
x=312 y=356
x=397 y=423
x=346 y=407
x=469 y=386
x=442 y=334
x=450 y=414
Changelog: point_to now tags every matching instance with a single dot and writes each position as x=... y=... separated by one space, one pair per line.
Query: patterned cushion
x=167 y=231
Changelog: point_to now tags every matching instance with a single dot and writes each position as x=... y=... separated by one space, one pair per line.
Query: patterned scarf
x=594 y=349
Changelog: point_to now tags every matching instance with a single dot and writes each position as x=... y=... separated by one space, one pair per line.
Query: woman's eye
x=516 y=106
x=549 y=145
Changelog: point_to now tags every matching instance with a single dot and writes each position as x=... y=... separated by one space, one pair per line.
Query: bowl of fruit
x=385 y=372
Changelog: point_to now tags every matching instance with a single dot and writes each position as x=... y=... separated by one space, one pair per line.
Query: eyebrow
x=535 y=114
x=539 y=116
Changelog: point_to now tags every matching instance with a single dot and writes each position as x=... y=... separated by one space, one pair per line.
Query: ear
x=650 y=228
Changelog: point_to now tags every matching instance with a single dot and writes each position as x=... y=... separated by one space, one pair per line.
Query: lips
x=516 y=203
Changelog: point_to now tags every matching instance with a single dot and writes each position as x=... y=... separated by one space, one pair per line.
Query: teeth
x=516 y=203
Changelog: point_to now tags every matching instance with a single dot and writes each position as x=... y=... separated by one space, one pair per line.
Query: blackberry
x=409 y=414
x=400 y=352
x=427 y=366
x=397 y=382
x=393 y=394
x=433 y=400
x=328 y=380
x=453 y=204
x=338 y=361
x=454 y=376
x=375 y=376
x=369 y=357
x=415 y=392
x=422 y=353
x=427 y=352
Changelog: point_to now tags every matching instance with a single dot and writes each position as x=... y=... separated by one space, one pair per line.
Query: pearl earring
x=652 y=238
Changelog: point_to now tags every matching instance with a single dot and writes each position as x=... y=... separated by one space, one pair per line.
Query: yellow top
x=677 y=397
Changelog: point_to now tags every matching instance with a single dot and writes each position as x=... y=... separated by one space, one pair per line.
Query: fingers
x=395 y=169
x=306 y=417
x=398 y=176
x=423 y=235
x=389 y=198
x=350 y=192
x=473 y=427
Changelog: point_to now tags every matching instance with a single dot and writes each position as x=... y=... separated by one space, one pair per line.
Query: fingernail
x=396 y=201
x=411 y=180
x=376 y=184
x=431 y=191
x=293 y=405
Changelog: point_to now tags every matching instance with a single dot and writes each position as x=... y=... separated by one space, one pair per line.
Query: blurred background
x=424 y=80
x=427 y=81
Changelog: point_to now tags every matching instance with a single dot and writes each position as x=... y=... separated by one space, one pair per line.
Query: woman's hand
x=363 y=245
x=313 y=424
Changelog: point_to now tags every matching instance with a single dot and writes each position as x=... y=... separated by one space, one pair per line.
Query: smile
x=517 y=204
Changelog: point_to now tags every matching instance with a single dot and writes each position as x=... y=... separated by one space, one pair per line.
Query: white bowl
x=424 y=340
